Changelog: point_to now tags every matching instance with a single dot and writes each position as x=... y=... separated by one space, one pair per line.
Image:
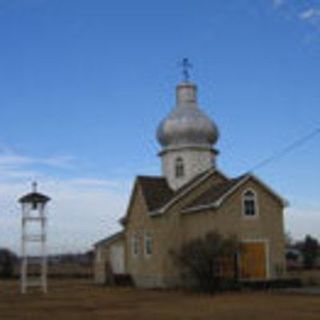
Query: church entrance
x=117 y=259
x=253 y=260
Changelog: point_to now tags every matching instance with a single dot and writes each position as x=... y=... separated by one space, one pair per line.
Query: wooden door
x=252 y=261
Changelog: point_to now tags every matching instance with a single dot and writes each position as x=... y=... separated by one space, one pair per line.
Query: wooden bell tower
x=33 y=240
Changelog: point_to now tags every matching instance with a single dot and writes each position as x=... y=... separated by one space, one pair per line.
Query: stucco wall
x=153 y=271
x=229 y=220
x=101 y=254
x=102 y=264
x=146 y=271
x=173 y=228
x=195 y=161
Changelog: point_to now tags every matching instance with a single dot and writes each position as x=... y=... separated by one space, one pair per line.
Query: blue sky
x=84 y=84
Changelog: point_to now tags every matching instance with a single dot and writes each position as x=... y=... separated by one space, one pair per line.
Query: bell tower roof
x=34 y=196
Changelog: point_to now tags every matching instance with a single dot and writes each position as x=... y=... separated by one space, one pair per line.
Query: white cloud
x=13 y=160
x=309 y=14
x=82 y=211
x=305 y=12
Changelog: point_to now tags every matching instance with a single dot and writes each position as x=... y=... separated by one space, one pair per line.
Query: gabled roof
x=158 y=195
x=185 y=189
x=156 y=191
x=109 y=239
x=214 y=197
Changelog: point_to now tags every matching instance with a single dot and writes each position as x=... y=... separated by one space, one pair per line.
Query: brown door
x=253 y=261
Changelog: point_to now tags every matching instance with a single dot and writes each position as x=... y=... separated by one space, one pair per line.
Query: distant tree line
x=8 y=261
x=309 y=249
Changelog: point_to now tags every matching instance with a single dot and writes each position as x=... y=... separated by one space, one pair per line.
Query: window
x=98 y=255
x=249 y=203
x=135 y=244
x=179 y=168
x=148 y=244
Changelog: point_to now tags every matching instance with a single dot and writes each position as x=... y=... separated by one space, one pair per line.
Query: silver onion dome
x=187 y=124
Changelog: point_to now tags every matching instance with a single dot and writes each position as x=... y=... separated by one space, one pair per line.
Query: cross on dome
x=186 y=66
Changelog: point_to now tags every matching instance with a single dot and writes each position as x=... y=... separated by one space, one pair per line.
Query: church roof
x=159 y=196
x=187 y=124
x=156 y=191
x=212 y=195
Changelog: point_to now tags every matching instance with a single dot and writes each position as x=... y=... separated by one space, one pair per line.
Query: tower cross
x=186 y=66
x=34 y=186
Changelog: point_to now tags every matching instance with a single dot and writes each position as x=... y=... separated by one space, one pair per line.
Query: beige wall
x=102 y=263
x=173 y=228
x=145 y=270
x=229 y=220
x=157 y=270
x=101 y=254
x=195 y=161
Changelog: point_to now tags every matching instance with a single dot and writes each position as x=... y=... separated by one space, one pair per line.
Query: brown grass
x=81 y=300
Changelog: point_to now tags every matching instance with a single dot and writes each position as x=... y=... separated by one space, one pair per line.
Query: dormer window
x=250 y=203
x=179 y=168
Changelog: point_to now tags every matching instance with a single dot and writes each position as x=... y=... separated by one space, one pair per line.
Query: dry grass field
x=81 y=300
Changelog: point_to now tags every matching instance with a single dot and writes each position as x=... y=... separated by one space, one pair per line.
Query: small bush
x=209 y=263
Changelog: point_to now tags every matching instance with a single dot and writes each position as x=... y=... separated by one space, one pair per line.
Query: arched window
x=250 y=203
x=179 y=168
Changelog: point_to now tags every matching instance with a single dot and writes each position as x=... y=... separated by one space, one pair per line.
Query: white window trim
x=148 y=237
x=135 y=248
x=256 y=205
x=267 y=255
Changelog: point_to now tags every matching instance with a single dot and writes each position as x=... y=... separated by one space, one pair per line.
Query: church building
x=191 y=198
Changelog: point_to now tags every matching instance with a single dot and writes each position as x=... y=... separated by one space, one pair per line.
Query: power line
x=286 y=150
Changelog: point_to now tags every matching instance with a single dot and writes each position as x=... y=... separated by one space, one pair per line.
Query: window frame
x=255 y=204
x=135 y=245
x=179 y=169
x=148 y=239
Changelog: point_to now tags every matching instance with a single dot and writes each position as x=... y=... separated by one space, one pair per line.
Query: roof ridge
x=150 y=177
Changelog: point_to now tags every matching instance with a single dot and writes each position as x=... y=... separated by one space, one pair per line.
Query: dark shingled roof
x=192 y=181
x=213 y=194
x=34 y=197
x=156 y=191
